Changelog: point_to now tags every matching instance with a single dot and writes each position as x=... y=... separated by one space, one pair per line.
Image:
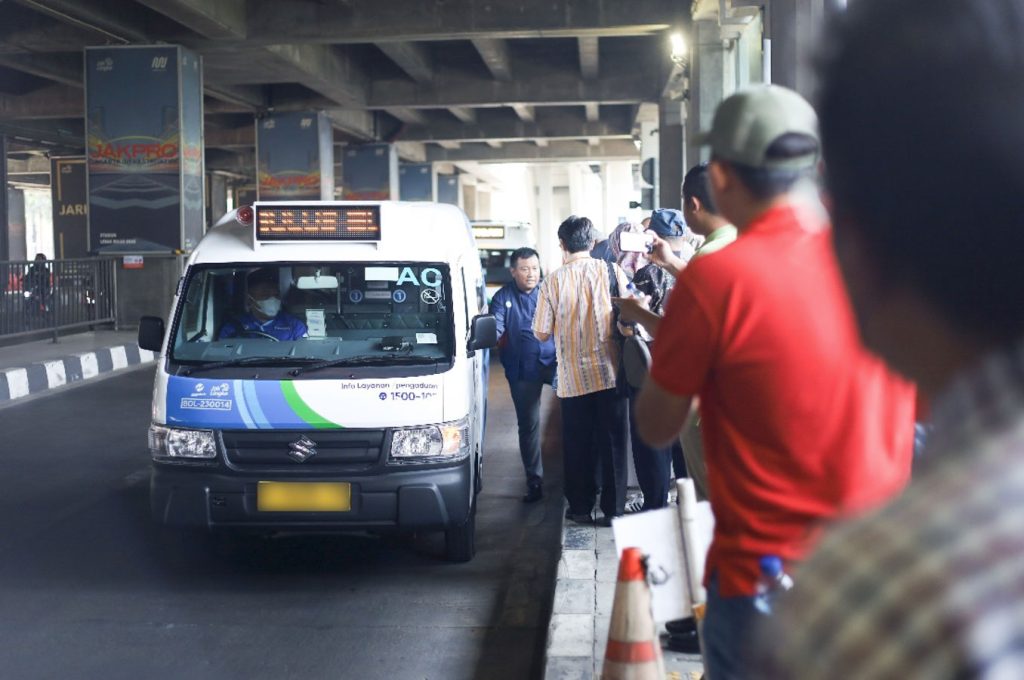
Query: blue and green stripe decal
x=240 y=404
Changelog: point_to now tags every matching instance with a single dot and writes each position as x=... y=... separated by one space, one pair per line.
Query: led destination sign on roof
x=489 y=232
x=317 y=223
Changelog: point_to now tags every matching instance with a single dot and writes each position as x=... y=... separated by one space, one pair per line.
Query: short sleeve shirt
x=801 y=425
x=575 y=306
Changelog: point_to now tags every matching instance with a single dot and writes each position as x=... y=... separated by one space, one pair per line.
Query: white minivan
x=322 y=370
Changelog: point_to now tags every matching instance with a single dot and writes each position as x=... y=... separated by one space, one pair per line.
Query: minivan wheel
x=460 y=540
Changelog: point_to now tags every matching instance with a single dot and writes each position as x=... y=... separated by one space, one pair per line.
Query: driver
x=264 y=316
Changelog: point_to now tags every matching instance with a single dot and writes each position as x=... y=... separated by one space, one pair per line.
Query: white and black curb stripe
x=16 y=383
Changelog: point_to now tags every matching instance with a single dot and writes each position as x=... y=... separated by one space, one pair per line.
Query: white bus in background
x=496 y=242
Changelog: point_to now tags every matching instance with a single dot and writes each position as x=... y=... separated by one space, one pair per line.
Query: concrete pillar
x=218 y=197
x=144 y=117
x=16 y=225
x=469 y=201
x=650 y=147
x=547 y=221
x=707 y=86
x=370 y=172
x=416 y=181
x=483 y=203
x=672 y=155
x=295 y=157
x=794 y=27
x=5 y=248
x=619 y=191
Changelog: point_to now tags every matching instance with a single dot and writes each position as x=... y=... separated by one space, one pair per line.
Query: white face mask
x=269 y=307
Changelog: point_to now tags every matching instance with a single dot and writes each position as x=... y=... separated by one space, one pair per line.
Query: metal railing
x=49 y=296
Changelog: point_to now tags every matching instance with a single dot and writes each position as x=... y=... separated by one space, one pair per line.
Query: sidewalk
x=34 y=367
x=581 y=614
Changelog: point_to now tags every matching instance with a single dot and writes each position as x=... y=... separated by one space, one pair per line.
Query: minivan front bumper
x=398 y=498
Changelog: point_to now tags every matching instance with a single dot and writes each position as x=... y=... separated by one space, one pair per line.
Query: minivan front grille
x=257 y=449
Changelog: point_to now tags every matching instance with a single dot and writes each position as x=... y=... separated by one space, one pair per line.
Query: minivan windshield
x=303 y=318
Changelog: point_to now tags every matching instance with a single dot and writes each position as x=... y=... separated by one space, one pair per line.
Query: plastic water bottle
x=774 y=581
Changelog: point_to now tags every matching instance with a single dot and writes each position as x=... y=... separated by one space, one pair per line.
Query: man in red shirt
x=801 y=425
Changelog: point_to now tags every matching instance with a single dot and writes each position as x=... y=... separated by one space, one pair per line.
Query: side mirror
x=151 y=333
x=483 y=332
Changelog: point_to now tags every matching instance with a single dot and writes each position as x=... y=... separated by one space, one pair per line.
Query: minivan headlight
x=446 y=441
x=171 y=443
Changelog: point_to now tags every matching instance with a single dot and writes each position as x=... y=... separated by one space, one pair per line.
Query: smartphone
x=635 y=243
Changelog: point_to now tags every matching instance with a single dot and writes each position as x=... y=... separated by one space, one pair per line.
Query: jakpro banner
x=136 y=161
x=295 y=157
x=70 y=206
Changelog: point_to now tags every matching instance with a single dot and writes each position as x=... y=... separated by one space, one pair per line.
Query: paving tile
x=578 y=538
x=577 y=564
x=574 y=596
x=569 y=668
x=605 y=597
x=571 y=635
x=607 y=568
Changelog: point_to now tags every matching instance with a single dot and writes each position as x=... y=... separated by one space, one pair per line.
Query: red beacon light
x=245 y=215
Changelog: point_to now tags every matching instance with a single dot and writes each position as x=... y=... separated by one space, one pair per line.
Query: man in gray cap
x=801 y=424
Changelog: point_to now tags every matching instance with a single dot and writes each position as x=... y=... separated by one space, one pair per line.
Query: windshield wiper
x=369 y=360
x=249 y=361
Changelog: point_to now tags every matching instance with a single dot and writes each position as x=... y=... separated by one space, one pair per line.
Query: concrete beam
x=552 y=127
x=549 y=89
x=360 y=21
x=220 y=19
x=450 y=145
x=411 y=151
x=593 y=111
x=230 y=138
x=407 y=115
x=356 y=123
x=525 y=113
x=494 y=144
x=465 y=114
x=115 y=25
x=64 y=69
x=55 y=101
x=589 y=61
x=612 y=149
x=494 y=52
x=326 y=70
x=412 y=58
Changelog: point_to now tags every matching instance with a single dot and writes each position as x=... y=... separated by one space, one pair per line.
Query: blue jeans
x=729 y=625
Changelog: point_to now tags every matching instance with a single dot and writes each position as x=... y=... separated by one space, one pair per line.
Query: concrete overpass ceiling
x=518 y=78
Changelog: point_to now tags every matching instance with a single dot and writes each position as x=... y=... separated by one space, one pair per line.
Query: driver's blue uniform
x=284 y=326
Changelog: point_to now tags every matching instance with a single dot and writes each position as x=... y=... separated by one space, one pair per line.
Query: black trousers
x=526 y=399
x=653 y=465
x=594 y=433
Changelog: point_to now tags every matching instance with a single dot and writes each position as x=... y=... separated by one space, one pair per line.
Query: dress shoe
x=682 y=626
x=686 y=643
x=533 y=494
x=580 y=517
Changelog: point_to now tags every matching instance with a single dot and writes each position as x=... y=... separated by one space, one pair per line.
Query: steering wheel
x=268 y=336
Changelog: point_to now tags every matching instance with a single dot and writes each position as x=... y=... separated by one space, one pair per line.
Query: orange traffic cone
x=634 y=651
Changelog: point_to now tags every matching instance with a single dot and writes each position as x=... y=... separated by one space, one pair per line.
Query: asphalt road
x=91 y=588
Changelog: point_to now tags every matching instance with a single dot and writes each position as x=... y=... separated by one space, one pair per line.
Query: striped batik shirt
x=931 y=587
x=575 y=306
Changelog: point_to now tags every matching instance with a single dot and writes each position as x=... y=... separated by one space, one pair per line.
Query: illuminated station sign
x=483 y=232
x=317 y=222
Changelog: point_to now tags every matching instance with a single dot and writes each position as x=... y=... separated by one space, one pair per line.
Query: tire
x=460 y=540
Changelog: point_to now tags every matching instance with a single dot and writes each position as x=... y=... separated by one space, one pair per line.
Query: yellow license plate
x=304 y=497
